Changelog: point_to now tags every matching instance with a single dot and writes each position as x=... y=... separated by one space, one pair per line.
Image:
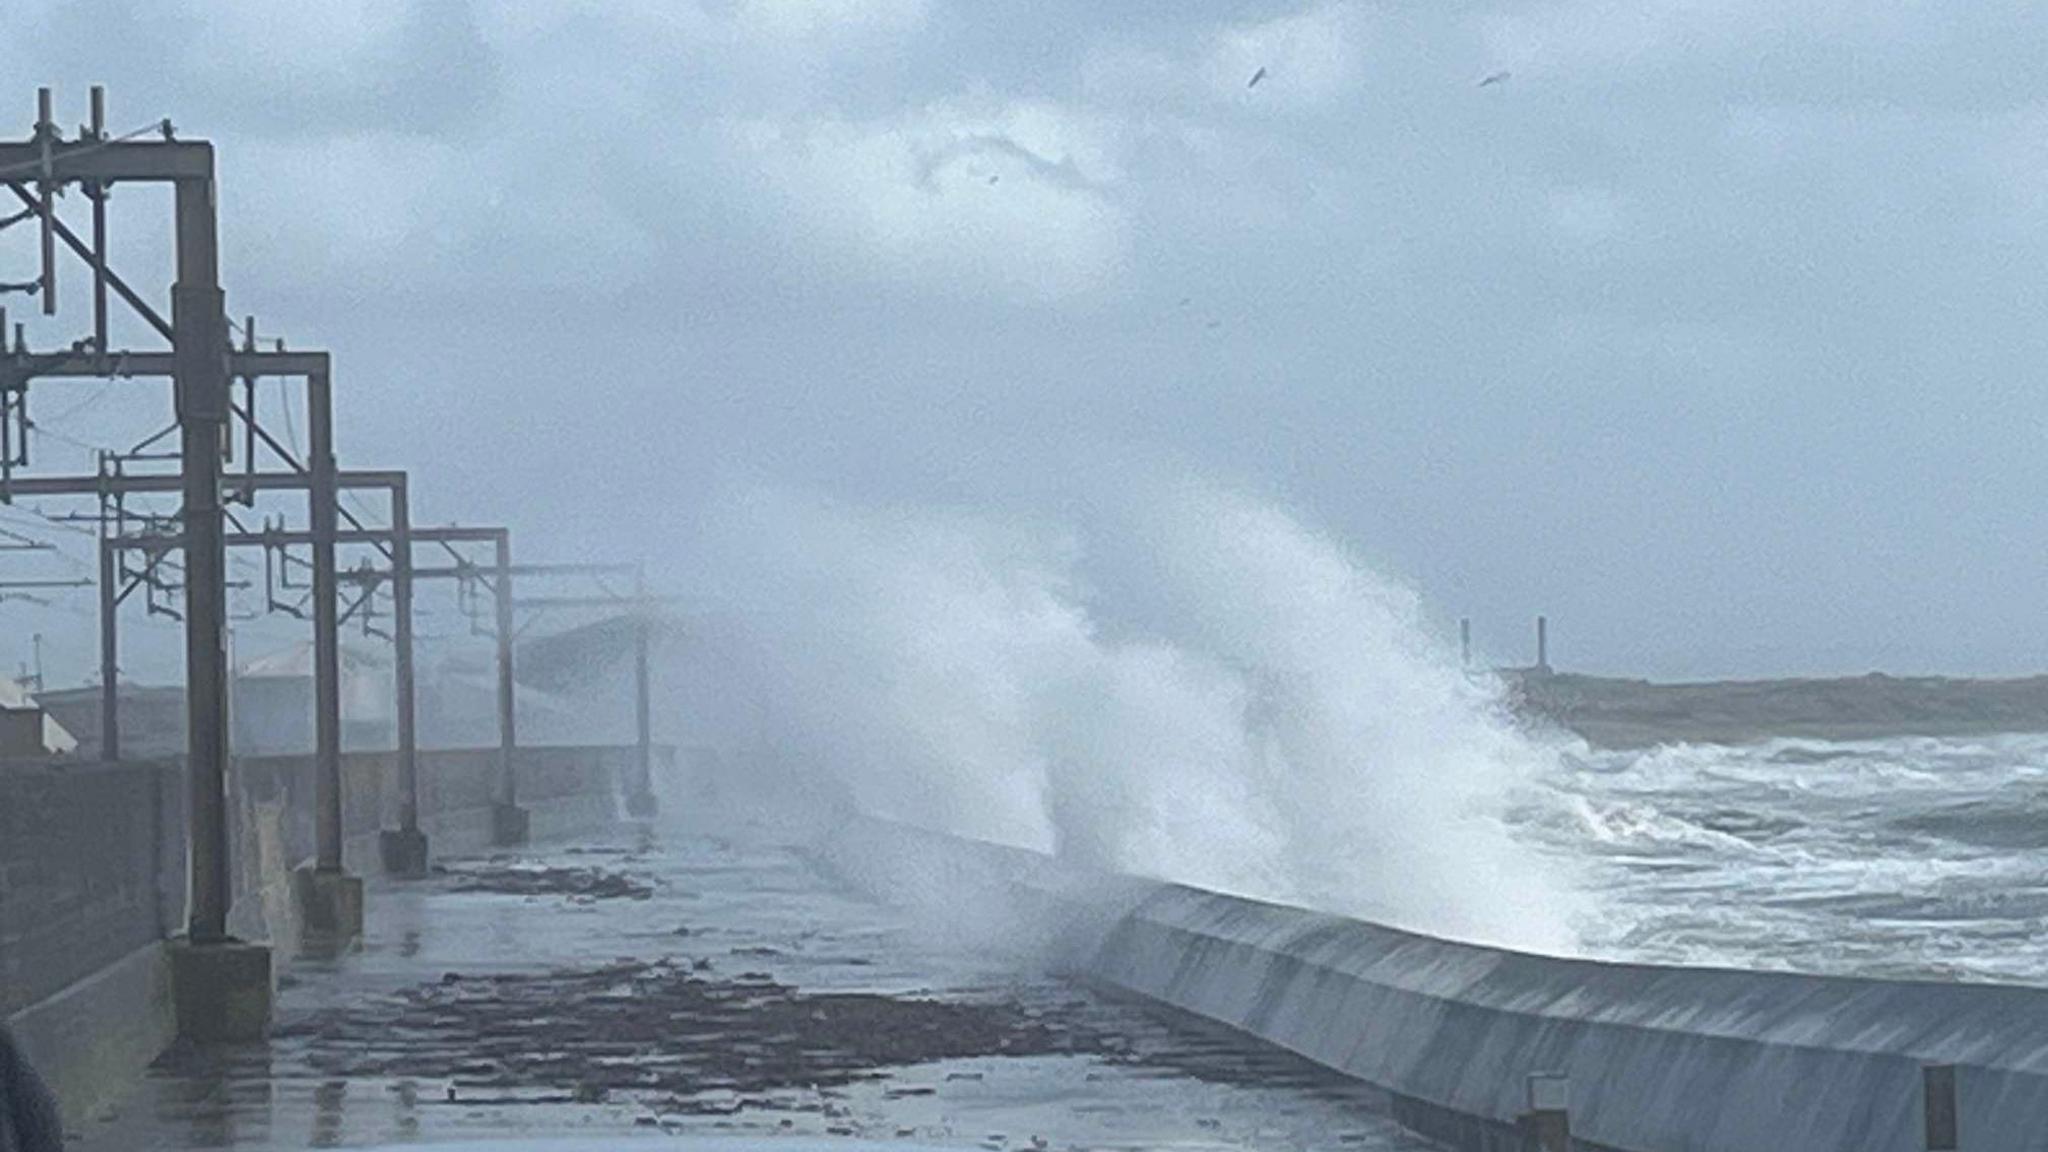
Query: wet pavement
x=675 y=984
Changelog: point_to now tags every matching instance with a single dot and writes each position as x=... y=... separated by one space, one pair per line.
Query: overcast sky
x=1715 y=331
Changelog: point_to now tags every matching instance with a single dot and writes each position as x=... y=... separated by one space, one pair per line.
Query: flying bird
x=1257 y=76
x=1496 y=78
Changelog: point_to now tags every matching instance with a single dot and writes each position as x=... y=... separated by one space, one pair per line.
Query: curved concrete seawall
x=1660 y=1059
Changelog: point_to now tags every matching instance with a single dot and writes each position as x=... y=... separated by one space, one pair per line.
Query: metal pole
x=642 y=704
x=99 y=230
x=1465 y=643
x=322 y=497
x=110 y=649
x=200 y=353
x=46 y=132
x=508 y=784
x=402 y=642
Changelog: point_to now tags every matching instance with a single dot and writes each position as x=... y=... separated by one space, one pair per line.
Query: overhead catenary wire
x=45 y=518
x=348 y=496
x=59 y=549
x=98 y=394
x=21 y=539
x=48 y=427
x=30 y=172
x=42 y=428
x=43 y=546
x=239 y=562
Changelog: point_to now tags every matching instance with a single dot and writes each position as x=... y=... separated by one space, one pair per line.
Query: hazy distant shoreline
x=1617 y=713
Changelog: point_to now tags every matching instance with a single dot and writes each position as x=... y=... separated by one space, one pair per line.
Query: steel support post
x=404 y=850
x=330 y=900
x=200 y=351
x=511 y=823
x=110 y=653
x=408 y=700
x=46 y=129
x=640 y=800
x=322 y=498
x=508 y=737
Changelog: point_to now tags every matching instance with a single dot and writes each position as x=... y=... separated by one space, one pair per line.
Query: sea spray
x=1189 y=684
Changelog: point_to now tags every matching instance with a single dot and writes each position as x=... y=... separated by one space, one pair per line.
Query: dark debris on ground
x=664 y=1029
x=512 y=878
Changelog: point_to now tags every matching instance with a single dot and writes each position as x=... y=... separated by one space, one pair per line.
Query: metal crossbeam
x=108 y=162
x=89 y=365
x=41 y=486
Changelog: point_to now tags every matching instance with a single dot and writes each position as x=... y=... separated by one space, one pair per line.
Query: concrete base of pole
x=642 y=805
x=404 y=853
x=330 y=906
x=511 y=825
x=221 y=993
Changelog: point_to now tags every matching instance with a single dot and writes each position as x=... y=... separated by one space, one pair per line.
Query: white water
x=1907 y=858
x=1188 y=683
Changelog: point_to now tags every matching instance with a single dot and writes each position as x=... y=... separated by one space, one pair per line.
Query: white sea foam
x=1189 y=684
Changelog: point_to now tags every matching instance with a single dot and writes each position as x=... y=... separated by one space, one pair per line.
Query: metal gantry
x=36 y=171
x=203 y=364
x=509 y=822
x=403 y=853
x=318 y=476
x=505 y=609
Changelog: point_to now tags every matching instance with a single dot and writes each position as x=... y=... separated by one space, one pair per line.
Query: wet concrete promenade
x=664 y=984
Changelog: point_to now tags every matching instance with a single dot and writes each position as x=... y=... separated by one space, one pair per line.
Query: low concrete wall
x=1661 y=1059
x=95 y=1037
x=566 y=789
x=83 y=856
x=88 y=856
x=93 y=878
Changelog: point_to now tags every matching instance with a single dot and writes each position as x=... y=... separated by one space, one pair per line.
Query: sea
x=1900 y=858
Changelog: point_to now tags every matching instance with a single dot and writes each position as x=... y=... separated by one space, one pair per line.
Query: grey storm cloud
x=1714 y=332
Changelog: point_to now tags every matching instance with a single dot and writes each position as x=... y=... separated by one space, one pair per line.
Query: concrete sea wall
x=92 y=878
x=1659 y=1059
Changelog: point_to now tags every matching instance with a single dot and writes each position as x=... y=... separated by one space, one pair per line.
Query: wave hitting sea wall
x=1657 y=1058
